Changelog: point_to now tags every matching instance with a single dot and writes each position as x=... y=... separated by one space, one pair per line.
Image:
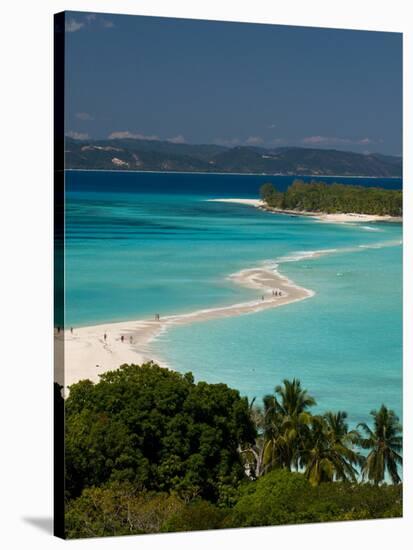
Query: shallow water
x=131 y=253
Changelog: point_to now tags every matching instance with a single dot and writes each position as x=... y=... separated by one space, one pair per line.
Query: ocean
x=144 y=243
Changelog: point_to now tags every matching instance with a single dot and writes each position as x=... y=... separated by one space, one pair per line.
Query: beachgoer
x=122 y=338
x=71 y=330
x=58 y=330
x=105 y=336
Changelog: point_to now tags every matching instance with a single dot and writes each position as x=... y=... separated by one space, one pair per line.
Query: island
x=337 y=203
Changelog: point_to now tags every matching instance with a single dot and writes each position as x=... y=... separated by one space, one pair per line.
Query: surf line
x=275 y=289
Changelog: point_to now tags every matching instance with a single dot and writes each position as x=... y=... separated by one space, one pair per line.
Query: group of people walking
x=274 y=293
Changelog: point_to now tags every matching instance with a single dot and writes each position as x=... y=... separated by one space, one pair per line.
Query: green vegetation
x=334 y=198
x=158 y=430
x=148 y=451
x=282 y=497
x=385 y=445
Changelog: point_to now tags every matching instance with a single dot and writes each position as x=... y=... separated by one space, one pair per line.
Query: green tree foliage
x=334 y=198
x=385 y=444
x=158 y=430
x=286 y=424
x=281 y=497
x=267 y=191
x=197 y=515
x=148 y=450
x=118 y=509
x=321 y=446
x=327 y=452
x=271 y=196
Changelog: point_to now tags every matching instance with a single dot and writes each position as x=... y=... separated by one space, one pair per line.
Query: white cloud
x=125 y=134
x=83 y=116
x=72 y=25
x=254 y=140
x=177 y=139
x=77 y=135
x=272 y=125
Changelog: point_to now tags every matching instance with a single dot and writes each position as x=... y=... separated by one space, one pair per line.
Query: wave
x=369 y=228
x=313 y=254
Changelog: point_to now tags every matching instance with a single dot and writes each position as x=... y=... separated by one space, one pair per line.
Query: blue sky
x=232 y=83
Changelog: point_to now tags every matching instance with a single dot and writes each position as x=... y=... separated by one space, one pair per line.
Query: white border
x=25 y=292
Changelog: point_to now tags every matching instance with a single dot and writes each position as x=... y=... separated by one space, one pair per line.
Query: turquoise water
x=131 y=253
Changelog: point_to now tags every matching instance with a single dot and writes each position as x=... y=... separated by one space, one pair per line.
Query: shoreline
x=350 y=217
x=232 y=173
x=86 y=353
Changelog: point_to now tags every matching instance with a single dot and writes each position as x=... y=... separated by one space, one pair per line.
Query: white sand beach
x=87 y=353
x=330 y=218
x=250 y=202
x=352 y=217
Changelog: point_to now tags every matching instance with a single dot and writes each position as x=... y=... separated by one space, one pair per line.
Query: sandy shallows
x=90 y=351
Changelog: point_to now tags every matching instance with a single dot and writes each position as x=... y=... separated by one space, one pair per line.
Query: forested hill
x=138 y=154
x=333 y=198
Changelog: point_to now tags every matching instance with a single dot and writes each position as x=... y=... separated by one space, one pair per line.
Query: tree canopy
x=157 y=429
x=149 y=450
x=334 y=198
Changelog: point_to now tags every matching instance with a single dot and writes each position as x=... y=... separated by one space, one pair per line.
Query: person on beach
x=105 y=336
x=58 y=330
x=71 y=330
x=122 y=338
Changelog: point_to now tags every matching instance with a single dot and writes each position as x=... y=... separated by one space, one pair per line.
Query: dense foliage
x=148 y=450
x=158 y=430
x=278 y=498
x=333 y=198
x=282 y=497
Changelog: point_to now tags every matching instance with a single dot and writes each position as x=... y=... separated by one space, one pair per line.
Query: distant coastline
x=131 y=154
x=232 y=173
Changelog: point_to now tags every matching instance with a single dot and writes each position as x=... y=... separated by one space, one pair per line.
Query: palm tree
x=385 y=443
x=286 y=418
x=337 y=429
x=328 y=454
x=294 y=400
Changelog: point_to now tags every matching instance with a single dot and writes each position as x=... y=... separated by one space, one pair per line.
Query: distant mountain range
x=164 y=156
